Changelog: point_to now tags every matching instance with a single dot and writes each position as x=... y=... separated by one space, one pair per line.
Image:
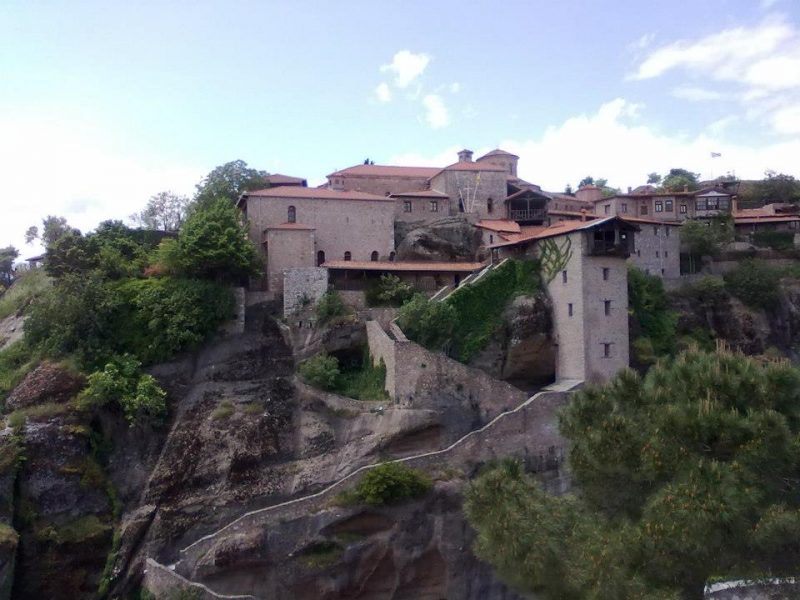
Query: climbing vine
x=554 y=257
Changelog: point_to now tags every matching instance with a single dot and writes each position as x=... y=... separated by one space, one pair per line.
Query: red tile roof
x=498 y=152
x=560 y=228
x=499 y=225
x=471 y=166
x=765 y=219
x=372 y=265
x=387 y=171
x=572 y=213
x=296 y=226
x=421 y=194
x=294 y=191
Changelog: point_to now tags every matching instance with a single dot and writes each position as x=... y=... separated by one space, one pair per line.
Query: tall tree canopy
x=775 y=187
x=690 y=472
x=677 y=180
x=229 y=181
x=7 y=257
x=165 y=211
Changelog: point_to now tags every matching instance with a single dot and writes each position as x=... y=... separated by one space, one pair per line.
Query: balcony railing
x=528 y=214
x=609 y=248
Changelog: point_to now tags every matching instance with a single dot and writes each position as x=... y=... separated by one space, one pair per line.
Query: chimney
x=629 y=189
x=686 y=188
x=465 y=156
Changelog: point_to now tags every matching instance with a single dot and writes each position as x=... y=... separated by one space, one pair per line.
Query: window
x=657 y=255
x=607 y=209
x=655 y=229
x=606 y=350
x=292 y=214
x=489 y=205
x=434 y=204
x=406 y=205
x=606 y=271
x=644 y=209
x=460 y=205
x=683 y=209
x=659 y=206
x=569 y=309
x=668 y=205
x=391 y=256
x=701 y=204
x=662 y=272
x=374 y=256
x=666 y=254
x=491 y=239
x=607 y=307
x=638 y=252
x=666 y=231
x=724 y=203
x=320 y=258
x=348 y=256
x=563 y=276
x=624 y=207
x=712 y=203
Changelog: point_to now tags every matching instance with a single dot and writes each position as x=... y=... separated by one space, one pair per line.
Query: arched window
x=348 y=256
x=374 y=256
x=391 y=256
x=292 y=214
x=489 y=205
x=320 y=258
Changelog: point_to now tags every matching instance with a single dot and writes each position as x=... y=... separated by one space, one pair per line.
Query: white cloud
x=406 y=66
x=643 y=42
x=436 y=113
x=455 y=87
x=696 y=94
x=787 y=119
x=383 y=93
x=87 y=179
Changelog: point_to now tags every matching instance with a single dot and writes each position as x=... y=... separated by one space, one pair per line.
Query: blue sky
x=103 y=104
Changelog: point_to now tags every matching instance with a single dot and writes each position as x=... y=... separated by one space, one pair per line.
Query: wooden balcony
x=530 y=214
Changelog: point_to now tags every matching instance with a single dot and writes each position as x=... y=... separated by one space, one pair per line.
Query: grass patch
x=27 y=286
x=224 y=411
x=321 y=555
x=253 y=408
x=79 y=531
x=360 y=380
x=16 y=361
x=8 y=535
x=38 y=412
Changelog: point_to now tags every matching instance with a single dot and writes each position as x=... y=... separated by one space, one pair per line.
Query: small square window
x=662 y=272
x=668 y=205
x=569 y=309
x=607 y=307
x=638 y=253
x=607 y=209
x=657 y=254
x=606 y=350
x=644 y=209
x=564 y=276
x=491 y=239
x=666 y=253
x=659 y=206
x=624 y=207
x=666 y=231
x=434 y=206
x=683 y=209
x=606 y=271
x=407 y=206
x=655 y=230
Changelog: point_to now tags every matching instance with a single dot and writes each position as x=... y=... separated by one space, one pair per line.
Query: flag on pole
x=716 y=154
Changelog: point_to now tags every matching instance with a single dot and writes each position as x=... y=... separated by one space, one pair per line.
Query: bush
x=364 y=383
x=330 y=306
x=390 y=483
x=755 y=283
x=321 y=371
x=777 y=240
x=707 y=290
x=139 y=395
x=650 y=306
x=430 y=324
x=389 y=291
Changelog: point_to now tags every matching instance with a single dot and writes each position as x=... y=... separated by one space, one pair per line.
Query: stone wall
x=303 y=287
x=287 y=249
x=416 y=377
x=753 y=591
x=657 y=250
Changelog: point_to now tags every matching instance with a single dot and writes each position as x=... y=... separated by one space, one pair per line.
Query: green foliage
x=80 y=531
x=479 y=306
x=321 y=371
x=391 y=483
x=679 y=179
x=649 y=304
x=777 y=240
x=329 y=307
x=7 y=257
x=755 y=283
x=363 y=383
x=554 y=257
x=213 y=244
x=708 y=290
x=16 y=361
x=227 y=182
x=430 y=324
x=165 y=211
x=27 y=286
x=389 y=291
x=774 y=188
x=121 y=381
x=321 y=554
x=688 y=472
x=161 y=317
x=707 y=238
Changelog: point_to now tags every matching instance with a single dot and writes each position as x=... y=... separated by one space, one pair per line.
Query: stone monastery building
x=357 y=226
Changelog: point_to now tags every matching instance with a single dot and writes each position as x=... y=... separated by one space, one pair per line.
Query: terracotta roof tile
x=294 y=191
x=471 y=166
x=421 y=194
x=497 y=152
x=560 y=228
x=499 y=225
x=372 y=265
x=278 y=179
x=765 y=219
x=387 y=171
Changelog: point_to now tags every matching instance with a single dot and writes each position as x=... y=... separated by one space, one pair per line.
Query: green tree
x=428 y=323
x=7 y=257
x=707 y=237
x=229 y=181
x=165 y=211
x=588 y=180
x=650 y=306
x=687 y=473
x=774 y=188
x=31 y=234
x=53 y=228
x=213 y=244
x=653 y=178
x=677 y=180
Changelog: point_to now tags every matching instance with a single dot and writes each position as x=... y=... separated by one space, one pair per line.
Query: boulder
x=451 y=238
x=49 y=382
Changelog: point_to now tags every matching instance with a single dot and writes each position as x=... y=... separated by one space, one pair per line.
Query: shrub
x=777 y=240
x=330 y=306
x=121 y=381
x=430 y=324
x=364 y=383
x=650 y=306
x=390 y=483
x=707 y=290
x=321 y=371
x=754 y=283
x=389 y=291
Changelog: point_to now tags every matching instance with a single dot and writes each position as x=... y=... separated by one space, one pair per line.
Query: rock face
x=451 y=238
x=522 y=351
x=49 y=382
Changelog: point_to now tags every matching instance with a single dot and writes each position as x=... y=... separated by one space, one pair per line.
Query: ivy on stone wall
x=554 y=256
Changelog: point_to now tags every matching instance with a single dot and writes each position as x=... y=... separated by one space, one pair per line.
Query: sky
x=103 y=104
